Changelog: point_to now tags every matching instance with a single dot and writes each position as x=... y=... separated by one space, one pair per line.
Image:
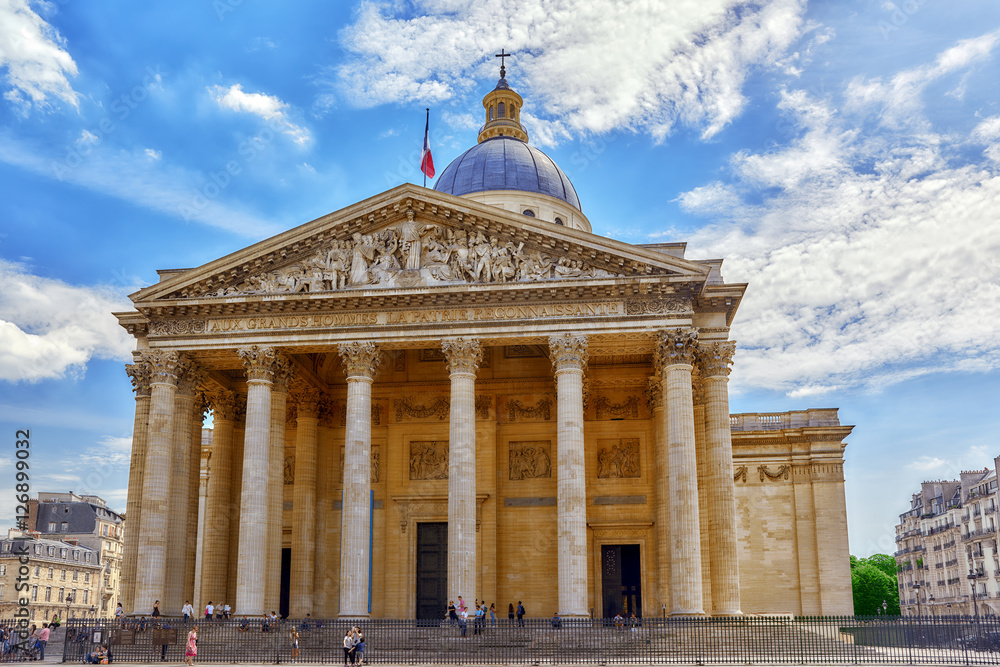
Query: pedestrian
x=360 y=648
x=452 y=612
x=295 y=644
x=209 y=611
x=43 y=639
x=120 y=615
x=510 y=612
x=493 y=614
x=227 y=611
x=463 y=618
x=348 y=648
x=462 y=606
x=191 y=649
x=156 y=609
x=187 y=611
x=520 y=614
x=556 y=621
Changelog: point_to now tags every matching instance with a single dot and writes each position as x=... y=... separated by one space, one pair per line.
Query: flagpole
x=426 y=127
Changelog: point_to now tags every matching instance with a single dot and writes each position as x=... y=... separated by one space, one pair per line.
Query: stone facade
x=417 y=358
x=947 y=547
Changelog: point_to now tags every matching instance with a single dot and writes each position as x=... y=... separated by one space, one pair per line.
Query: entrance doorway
x=432 y=570
x=621 y=580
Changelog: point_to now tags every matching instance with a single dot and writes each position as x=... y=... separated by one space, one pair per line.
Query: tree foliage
x=873 y=580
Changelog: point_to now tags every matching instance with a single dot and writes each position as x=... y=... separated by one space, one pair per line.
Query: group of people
x=34 y=643
x=459 y=615
x=354 y=647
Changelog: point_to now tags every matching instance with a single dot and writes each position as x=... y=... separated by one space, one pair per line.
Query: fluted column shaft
x=360 y=361
x=215 y=554
x=275 y=485
x=258 y=362
x=304 y=507
x=569 y=357
x=463 y=359
x=180 y=494
x=140 y=373
x=676 y=356
x=661 y=459
x=715 y=360
x=152 y=555
x=194 y=497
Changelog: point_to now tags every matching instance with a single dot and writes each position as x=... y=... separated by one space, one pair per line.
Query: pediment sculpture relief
x=413 y=254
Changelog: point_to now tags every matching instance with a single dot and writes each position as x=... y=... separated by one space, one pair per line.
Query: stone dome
x=506 y=163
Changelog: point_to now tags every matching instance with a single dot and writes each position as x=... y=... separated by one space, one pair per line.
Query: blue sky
x=843 y=157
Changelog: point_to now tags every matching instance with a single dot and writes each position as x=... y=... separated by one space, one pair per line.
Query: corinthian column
x=715 y=359
x=463 y=358
x=173 y=598
x=140 y=373
x=569 y=358
x=676 y=350
x=215 y=554
x=662 y=485
x=153 y=533
x=275 y=484
x=258 y=362
x=304 y=507
x=360 y=361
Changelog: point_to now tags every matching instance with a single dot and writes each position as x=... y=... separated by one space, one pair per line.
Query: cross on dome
x=501 y=56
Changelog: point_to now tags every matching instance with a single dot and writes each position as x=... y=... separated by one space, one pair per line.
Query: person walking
x=463 y=618
x=43 y=639
x=359 y=647
x=452 y=612
x=209 y=611
x=191 y=649
x=493 y=614
x=187 y=611
x=295 y=644
x=520 y=614
x=510 y=612
x=156 y=609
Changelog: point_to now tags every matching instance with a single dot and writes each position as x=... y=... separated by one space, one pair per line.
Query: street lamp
x=69 y=601
x=885 y=608
x=973 y=575
x=916 y=588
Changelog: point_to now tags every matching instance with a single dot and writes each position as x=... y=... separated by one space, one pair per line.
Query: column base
x=364 y=615
x=574 y=616
x=682 y=613
x=727 y=612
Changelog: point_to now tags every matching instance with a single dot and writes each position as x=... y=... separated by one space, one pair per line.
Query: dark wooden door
x=432 y=570
x=621 y=580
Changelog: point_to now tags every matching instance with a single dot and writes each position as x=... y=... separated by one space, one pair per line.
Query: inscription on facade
x=484 y=314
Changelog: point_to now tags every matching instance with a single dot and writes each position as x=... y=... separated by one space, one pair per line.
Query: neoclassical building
x=464 y=392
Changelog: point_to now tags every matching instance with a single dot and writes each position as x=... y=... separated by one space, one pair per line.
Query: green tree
x=873 y=580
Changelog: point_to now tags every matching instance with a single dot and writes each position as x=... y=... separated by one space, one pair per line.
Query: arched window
x=500 y=110
x=559 y=221
x=528 y=212
x=513 y=112
x=491 y=112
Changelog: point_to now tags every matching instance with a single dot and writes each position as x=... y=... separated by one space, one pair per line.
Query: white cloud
x=154 y=154
x=592 y=66
x=35 y=57
x=50 y=329
x=926 y=463
x=268 y=107
x=87 y=137
x=711 y=199
x=114 y=451
x=871 y=258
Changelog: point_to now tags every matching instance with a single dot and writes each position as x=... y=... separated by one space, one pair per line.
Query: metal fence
x=750 y=640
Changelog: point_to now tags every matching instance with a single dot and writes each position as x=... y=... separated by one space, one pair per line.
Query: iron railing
x=955 y=640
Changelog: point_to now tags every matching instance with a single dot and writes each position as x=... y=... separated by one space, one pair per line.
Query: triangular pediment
x=413 y=238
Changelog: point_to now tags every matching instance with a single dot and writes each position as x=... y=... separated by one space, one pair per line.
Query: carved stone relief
x=618 y=458
x=628 y=409
x=483 y=405
x=428 y=459
x=290 y=469
x=438 y=409
x=740 y=473
x=410 y=254
x=781 y=473
x=518 y=411
x=176 y=327
x=657 y=306
x=530 y=460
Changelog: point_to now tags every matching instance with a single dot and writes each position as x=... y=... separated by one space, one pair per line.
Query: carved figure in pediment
x=484 y=258
x=534 y=266
x=386 y=266
x=363 y=253
x=337 y=263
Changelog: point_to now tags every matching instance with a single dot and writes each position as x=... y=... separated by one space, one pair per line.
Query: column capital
x=141 y=375
x=360 y=359
x=568 y=352
x=189 y=378
x=164 y=365
x=258 y=362
x=223 y=404
x=463 y=355
x=715 y=359
x=676 y=346
x=654 y=392
x=697 y=388
x=283 y=374
x=307 y=405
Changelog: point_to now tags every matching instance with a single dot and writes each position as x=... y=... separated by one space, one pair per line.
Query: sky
x=842 y=157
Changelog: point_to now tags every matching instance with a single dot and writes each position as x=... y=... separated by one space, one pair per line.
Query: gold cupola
x=502 y=107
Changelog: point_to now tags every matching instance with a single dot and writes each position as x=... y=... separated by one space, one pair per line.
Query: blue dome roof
x=506 y=163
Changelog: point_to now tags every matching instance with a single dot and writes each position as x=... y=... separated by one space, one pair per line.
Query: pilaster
x=140 y=373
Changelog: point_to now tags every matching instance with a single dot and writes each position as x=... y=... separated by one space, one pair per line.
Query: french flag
x=426 y=161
